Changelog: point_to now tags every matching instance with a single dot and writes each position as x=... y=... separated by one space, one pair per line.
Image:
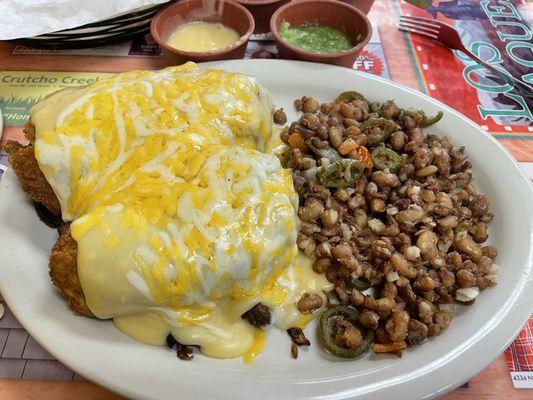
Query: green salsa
x=315 y=38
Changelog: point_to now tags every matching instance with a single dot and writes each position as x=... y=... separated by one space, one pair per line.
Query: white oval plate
x=96 y=350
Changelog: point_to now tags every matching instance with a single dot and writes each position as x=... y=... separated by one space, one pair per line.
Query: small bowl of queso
x=325 y=31
x=200 y=30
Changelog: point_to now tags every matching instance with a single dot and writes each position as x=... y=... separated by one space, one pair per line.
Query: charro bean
x=404 y=267
x=369 y=319
x=397 y=325
x=309 y=302
x=310 y=105
x=383 y=179
x=427 y=243
x=413 y=214
x=329 y=217
x=468 y=247
x=447 y=223
x=465 y=278
x=279 y=116
x=352 y=130
x=335 y=136
x=407 y=220
x=311 y=211
x=426 y=171
x=489 y=251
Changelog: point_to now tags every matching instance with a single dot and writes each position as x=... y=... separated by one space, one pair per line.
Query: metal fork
x=448 y=36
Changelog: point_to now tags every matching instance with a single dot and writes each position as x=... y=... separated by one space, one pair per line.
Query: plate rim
x=526 y=279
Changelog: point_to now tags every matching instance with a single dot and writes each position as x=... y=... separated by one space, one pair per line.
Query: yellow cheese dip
x=202 y=36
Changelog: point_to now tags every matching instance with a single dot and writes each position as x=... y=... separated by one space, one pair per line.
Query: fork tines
x=407 y=27
x=420 y=19
x=419 y=25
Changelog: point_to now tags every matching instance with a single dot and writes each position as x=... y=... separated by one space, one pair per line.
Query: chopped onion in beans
x=444 y=247
x=466 y=295
x=346 y=231
x=311 y=173
x=392 y=276
x=376 y=225
x=447 y=308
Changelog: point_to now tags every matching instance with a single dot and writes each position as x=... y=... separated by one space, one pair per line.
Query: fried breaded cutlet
x=23 y=162
x=63 y=258
x=64 y=271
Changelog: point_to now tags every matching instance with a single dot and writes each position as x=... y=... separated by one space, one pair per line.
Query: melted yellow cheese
x=183 y=218
x=256 y=348
x=202 y=36
x=224 y=334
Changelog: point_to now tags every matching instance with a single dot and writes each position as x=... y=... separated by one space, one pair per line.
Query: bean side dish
x=390 y=215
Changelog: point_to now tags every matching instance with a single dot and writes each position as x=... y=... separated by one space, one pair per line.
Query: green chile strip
x=384 y=158
x=340 y=173
x=430 y=121
x=325 y=331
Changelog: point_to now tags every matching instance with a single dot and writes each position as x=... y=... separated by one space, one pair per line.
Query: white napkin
x=26 y=18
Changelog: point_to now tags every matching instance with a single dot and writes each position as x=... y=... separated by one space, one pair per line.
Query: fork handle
x=521 y=86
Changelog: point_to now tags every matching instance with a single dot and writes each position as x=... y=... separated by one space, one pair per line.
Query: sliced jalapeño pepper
x=326 y=333
x=348 y=97
x=355 y=283
x=375 y=137
x=340 y=173
x=386 y=159
x=329 y=152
